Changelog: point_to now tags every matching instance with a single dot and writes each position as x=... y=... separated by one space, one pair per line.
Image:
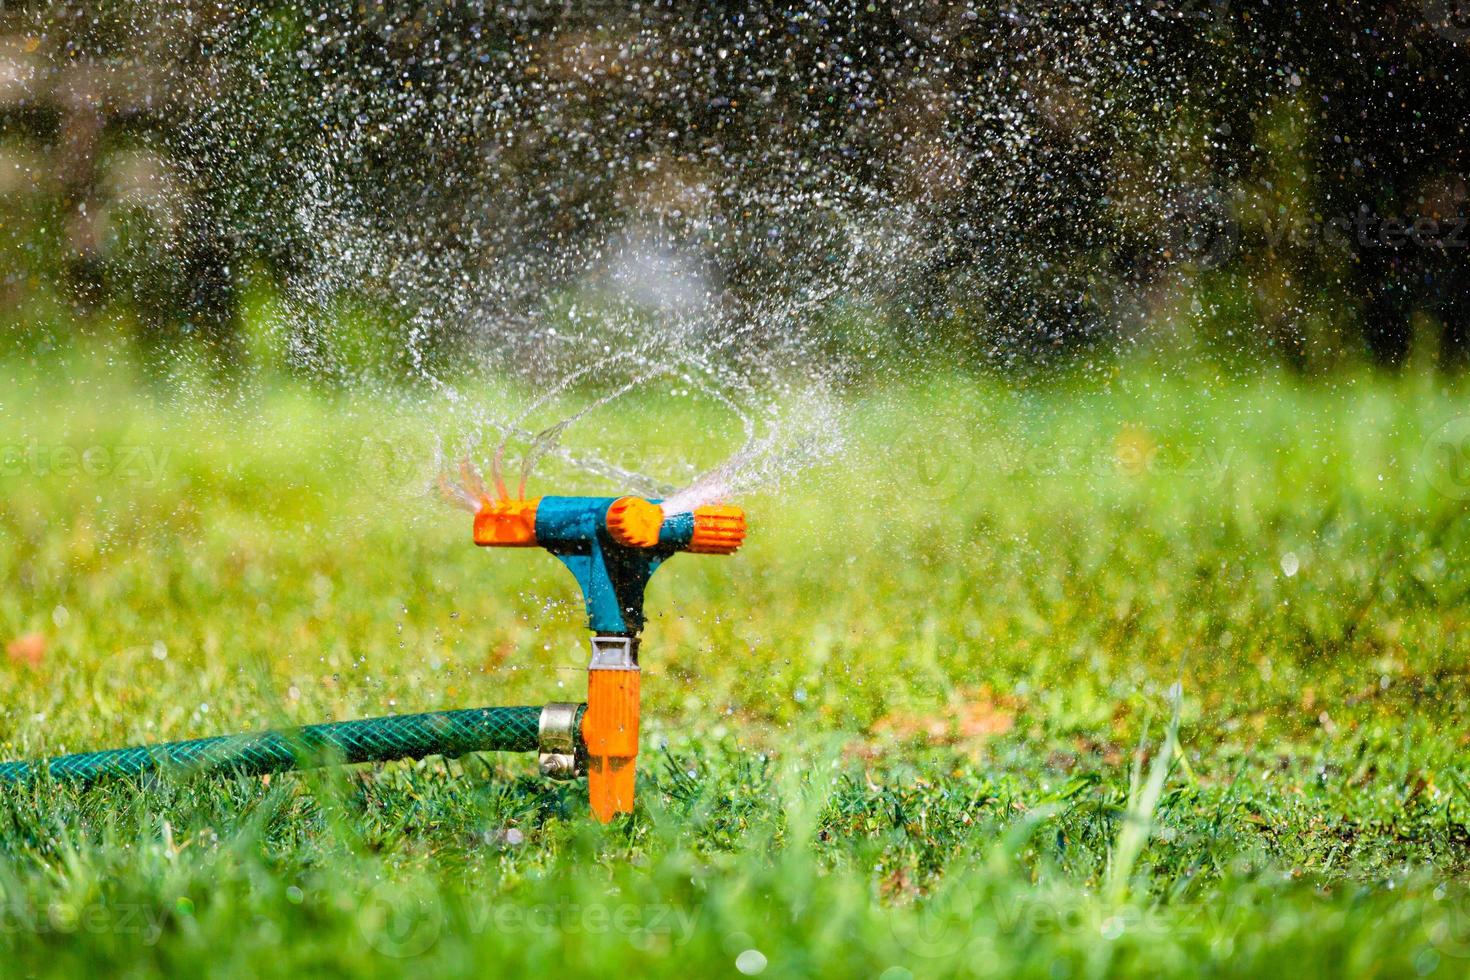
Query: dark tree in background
x=1058 y=164
x=1388 y=85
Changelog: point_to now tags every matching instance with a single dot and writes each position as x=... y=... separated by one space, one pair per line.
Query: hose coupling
x=557 y=741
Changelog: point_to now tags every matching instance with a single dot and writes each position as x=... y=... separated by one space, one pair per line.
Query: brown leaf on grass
x=496 y=656
x=28 y=650
x=905 y=726
x=897 y=885
x=976 y=715
x=983 y=717
x=1110 y=752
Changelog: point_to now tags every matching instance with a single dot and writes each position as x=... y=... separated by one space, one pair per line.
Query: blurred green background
x=1232 y=181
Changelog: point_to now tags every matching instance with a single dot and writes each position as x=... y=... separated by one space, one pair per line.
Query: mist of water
x=580 y=205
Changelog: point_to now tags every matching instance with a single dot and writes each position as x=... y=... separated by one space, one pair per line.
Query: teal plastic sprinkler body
x=612 y=545
x=612 y=574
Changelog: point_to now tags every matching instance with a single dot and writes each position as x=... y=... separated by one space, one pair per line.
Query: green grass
x=1019 y=685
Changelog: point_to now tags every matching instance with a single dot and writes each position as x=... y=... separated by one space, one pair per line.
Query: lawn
x=1151 y=673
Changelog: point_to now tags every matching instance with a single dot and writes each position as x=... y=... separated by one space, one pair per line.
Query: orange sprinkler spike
x=610 y=726
x=506 y=523
x=634 y=522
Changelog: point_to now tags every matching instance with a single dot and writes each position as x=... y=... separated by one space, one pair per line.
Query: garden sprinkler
x=611 y=544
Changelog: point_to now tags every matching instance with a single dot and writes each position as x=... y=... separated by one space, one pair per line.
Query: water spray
x=612 y=545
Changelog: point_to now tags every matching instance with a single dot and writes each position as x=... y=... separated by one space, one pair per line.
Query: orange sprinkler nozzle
x=507 y=524
x=718 y=530
x=634 y=522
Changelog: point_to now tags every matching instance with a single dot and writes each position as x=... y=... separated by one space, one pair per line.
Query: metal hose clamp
x=557 y=741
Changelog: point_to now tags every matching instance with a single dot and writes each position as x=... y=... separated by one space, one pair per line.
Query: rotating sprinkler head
x=612 y=545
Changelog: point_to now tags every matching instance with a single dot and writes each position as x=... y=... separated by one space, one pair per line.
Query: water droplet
x=751 y=962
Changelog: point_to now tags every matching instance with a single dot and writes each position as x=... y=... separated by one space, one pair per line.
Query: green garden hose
x=448 y=733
